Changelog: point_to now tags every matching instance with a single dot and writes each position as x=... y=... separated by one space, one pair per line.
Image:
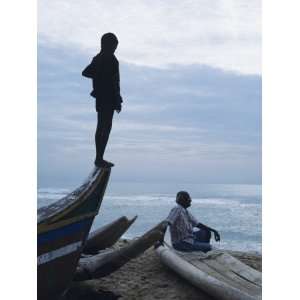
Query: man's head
x=109 y=42
x=183 y=198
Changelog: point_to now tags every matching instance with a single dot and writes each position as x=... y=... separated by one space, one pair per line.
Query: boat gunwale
x=67 y=204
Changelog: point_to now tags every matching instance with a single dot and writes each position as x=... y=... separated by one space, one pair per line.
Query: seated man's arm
x=199 y=225
x=216 y=233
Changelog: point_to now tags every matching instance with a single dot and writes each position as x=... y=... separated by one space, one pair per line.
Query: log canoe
x=107 y=235
x=110 y=260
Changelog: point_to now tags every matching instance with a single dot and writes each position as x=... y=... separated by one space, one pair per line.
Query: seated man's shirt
x=181 y=223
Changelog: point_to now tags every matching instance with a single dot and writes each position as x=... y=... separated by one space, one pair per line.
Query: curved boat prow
x=93 y=187
x=62 y=229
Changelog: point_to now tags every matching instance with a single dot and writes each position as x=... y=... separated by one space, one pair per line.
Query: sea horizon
x=233 y=209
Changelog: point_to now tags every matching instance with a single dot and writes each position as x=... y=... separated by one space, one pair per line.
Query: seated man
x=182 y=222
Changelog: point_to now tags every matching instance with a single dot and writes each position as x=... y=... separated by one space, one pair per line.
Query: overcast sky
x=190 y=79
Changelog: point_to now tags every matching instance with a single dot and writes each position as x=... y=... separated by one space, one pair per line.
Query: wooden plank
x=242 y=269
x=235 y=279
x=224 y=263
x=222 y=273
x=202 y=279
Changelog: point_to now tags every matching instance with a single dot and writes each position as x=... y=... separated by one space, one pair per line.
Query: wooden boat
x=107 y=235
x=111 y=260
x=62 y=230
x=217 y=273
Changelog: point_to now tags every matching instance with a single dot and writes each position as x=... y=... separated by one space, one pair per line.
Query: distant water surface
x=233 y=209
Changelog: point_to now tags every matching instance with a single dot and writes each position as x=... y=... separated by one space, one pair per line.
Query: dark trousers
x=201 y=242
x=104 y=123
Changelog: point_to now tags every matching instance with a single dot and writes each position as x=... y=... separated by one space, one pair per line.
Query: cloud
x=221 y=34
x=194 y=118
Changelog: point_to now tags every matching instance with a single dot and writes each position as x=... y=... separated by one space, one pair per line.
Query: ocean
x=232 y=209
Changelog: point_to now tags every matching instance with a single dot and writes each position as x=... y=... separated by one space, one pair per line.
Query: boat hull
x=58 y=253
x=63 y=229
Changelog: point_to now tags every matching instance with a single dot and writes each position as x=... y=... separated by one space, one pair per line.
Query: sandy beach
x=146 y=278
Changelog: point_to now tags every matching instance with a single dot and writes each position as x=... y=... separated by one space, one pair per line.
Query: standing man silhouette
x=104 y=71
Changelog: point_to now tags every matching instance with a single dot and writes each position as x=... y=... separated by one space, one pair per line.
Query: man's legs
x=196 y=246
x=201 y=246
x=183 y=246
x=202 y=236
x=104 y=124
x=202 y=240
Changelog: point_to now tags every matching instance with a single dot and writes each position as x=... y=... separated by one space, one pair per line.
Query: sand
x=146 y=278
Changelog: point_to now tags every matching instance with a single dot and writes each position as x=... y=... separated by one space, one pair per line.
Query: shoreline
x=145 y=277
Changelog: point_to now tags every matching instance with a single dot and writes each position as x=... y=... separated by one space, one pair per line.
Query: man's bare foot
x=103 y=164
